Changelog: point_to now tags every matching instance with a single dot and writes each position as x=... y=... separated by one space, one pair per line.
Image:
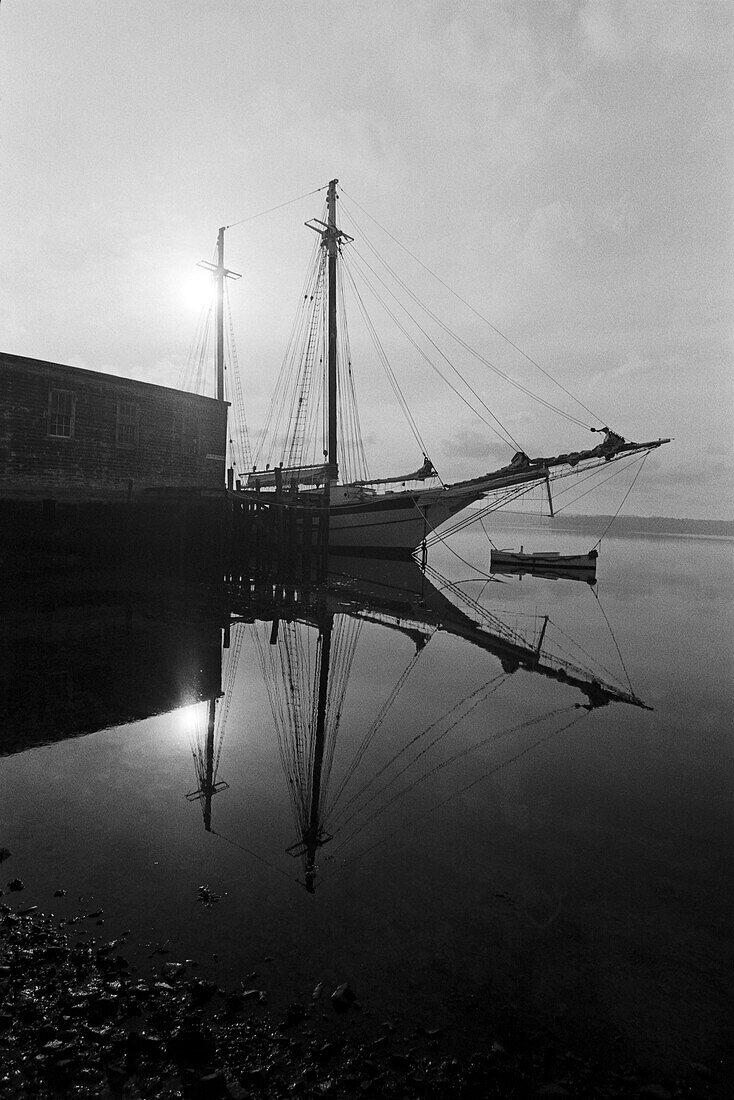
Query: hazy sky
x=564 y=165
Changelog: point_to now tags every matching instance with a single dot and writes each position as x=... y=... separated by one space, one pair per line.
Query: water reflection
x=99 y=651
x=583 y=881
x=98 y=654
x=306 y=639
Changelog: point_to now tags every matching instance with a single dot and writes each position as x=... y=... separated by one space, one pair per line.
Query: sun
x=198 y=290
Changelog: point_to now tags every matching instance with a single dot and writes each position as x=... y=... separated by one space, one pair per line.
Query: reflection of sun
x=197 y=289
x=189 y=719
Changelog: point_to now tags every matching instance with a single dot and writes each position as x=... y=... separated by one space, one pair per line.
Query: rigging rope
x=616 y=646
x=506 y=437
x=481 y=317
x=382 y=355
x=590 y=473
x=624 y=498
x=452 y=760
x=371 y=732
x=457 y=794
x=273 y=208
x=474 y=699
x=241 y=441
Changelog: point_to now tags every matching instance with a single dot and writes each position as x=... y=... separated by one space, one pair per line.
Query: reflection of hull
x=553 y=565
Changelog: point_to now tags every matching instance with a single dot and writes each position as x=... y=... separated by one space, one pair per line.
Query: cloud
x=633 y=364
x=620 y=30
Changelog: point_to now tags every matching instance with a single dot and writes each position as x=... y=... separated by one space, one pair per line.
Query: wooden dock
x=196 y=534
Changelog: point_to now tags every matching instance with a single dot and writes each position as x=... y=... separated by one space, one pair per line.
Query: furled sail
x=425 y=471
x=291 y=475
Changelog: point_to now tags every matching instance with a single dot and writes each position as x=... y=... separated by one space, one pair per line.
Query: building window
x=127 y=424
x=61 y=413
x=185 y=435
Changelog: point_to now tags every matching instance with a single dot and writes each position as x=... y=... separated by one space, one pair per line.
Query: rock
x=250 y=994
x=400 y=1061
x=4 y=854
x=15 y=885
x=235 y=1091
x=173 y=970
x=59 y=893
x=191 y=1045
x=326 y=1051
x=212 y=1085
x=294 y=1014
x=103 y=1006
x=343 y=997
x=233 y=1002
x=201 y=991
x=55 y=952
x=105 y=948
x=208 y=897
x=258 y=1075
x=117 y=1076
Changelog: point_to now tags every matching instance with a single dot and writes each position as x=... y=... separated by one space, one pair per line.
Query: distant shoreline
x=623 y=525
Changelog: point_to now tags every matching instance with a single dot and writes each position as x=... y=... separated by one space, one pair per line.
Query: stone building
x=69 y=434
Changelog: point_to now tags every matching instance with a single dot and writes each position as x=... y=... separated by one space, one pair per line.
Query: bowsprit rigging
x=311 y=453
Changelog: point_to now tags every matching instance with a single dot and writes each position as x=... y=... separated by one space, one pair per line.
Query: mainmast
x=332 y=238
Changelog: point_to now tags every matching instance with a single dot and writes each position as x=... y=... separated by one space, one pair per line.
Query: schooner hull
x=393 y=523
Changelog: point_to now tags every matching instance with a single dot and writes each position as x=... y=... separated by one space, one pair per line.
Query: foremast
x=219 y=274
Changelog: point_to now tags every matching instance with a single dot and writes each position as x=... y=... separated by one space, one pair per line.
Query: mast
x=219 y=274
x=332 y=237
x=313 y=835
x=219 y=282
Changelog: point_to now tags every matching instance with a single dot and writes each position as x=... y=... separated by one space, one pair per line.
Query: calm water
x=488 y=850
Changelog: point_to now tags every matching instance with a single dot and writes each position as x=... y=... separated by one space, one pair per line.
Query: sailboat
x=370 y=515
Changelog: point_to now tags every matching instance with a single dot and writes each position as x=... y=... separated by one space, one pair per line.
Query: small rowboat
x=569 y=566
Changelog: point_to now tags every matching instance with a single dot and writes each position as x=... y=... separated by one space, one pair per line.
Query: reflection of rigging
x=306 y=686
x=306 y=640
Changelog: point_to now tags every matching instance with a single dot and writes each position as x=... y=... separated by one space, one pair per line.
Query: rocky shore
x=78 y=1020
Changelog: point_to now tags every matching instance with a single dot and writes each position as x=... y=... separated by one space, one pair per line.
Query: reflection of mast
x=306 y=686
x=206 y=759
x=314 y=835
x=209 y=785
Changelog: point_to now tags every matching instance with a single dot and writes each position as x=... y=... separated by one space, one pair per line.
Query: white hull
x=393 y=522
